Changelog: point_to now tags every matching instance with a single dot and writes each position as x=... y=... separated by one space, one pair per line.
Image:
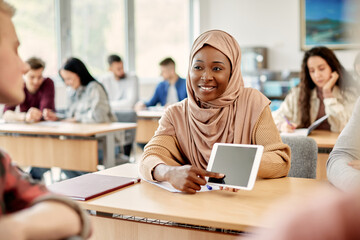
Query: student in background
x=343 y=166
x=218 y=109
x=87 y=99
x=39 y=95
x=323 y=89
x=169 y=91
x=121 y=87
x=28 y=210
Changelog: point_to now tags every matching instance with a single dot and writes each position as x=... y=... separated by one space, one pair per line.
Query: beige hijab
x=228 y=119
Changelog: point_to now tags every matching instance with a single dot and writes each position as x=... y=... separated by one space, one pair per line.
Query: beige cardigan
x=275 y=161
x=338 y=108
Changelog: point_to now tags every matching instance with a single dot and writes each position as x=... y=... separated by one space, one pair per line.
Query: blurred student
x=322 y=91
x=219 y=109
x=326 y=215
x=39 y=95
x=121 y=87
x=87 y=99
x=169 y=91
x=27 y=209
x=343 y=166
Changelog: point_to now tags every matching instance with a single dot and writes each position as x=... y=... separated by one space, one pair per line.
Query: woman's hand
x=229 y=189
x=184 y=178
x=49 y=115
x=327 y=89
x=355 y=164
x=288 y=128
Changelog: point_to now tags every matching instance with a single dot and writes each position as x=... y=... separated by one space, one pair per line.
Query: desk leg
x=321 y=166
x=109 y=150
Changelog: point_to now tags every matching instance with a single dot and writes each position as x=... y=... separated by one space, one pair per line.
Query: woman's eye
x=197 y=67
x=216 y=68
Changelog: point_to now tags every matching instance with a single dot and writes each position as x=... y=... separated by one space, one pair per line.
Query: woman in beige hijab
x=218 y=109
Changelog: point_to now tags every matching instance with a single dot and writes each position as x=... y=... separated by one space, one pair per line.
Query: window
x=35 y=26
x=98 y=29
x=161 y=30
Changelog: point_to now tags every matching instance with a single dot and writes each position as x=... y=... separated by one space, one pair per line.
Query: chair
x=304 y=152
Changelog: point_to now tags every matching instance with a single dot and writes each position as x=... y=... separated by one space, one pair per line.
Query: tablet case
x=90 y=185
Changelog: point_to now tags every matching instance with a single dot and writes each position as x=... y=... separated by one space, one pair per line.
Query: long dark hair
x=307 y=85
x=76 y=66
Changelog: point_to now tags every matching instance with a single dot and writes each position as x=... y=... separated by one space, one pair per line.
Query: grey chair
x=304 y=152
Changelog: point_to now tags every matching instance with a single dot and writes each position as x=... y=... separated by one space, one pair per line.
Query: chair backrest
x=126 y=116
x=304 y=152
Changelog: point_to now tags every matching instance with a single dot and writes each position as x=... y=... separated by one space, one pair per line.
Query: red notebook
x=90 y=185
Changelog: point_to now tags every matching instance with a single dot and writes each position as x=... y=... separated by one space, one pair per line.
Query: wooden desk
x=71 y=146
x=325 y=141
x=185 y=216
x=147 y=123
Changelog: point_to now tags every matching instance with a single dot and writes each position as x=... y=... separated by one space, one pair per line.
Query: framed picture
x=331 y=23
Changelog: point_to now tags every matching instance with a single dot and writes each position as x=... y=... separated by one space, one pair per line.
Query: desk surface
x=64 y=128
x=324 y=139
x=219 y=209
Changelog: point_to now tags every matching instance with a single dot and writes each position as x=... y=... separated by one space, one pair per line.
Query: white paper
x=167 y=186
x=306 y=131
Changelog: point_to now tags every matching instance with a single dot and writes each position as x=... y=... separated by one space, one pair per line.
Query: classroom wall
x=274 y=24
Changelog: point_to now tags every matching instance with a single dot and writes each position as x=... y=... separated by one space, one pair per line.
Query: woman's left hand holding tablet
x=185 y=178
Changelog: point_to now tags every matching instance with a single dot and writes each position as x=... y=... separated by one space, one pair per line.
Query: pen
x=209 y=187
x=287 y=121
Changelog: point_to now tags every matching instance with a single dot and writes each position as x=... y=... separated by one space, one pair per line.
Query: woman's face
x=71 y=79
x=209 y=74
x=319 y=70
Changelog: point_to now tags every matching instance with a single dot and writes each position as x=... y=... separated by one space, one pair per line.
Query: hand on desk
x=355 y=164
x=49 y=115
x=184 y=178
x=139 y=106
x=33 y=115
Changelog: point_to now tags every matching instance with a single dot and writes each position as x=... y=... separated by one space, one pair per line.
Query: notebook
x=306 y=131
x=90 y=185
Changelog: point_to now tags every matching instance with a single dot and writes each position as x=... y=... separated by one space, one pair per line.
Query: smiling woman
x=324 y=89
x=218 y=109
x=210 y=78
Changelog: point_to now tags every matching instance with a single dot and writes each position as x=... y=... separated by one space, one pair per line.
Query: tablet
x=239 y=162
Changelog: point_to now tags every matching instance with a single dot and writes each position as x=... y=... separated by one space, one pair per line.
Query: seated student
x=121 y=87
x=39 y=95
x=218 y=109
x=343 y=166
x=123 y=92
x=87 y=101
x=169 y=91
x=28 y=210
x=322 y=90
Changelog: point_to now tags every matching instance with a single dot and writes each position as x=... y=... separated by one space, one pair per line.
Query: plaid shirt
x=17 y=190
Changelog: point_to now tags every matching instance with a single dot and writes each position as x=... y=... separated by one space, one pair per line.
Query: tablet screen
x=235 y=162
